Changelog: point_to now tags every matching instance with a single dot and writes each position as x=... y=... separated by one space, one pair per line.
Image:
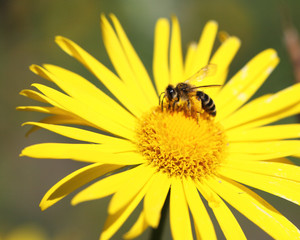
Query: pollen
x=181 y=145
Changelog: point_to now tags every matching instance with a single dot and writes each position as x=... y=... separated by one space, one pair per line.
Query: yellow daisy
x=142 y=152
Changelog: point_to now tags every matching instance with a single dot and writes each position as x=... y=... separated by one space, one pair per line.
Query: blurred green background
x=27 y=30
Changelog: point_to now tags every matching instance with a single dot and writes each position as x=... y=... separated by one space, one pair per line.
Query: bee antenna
x=206 y=86
x=159 y=101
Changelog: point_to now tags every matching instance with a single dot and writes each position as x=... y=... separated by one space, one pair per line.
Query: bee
x=186 y=91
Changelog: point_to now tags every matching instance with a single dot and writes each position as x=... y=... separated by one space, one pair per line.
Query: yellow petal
x=273 y=117
x=84 y=111
x=105 y=153
x=189 y=58
x=203 y=225
x=63 y=117
x=130 y=188
x=105 y=186
x=120 y=62
x=254 y=208
x=160 y=55
x=49 y=110
x=204 y=48
x=280 y=187
x=59 y=119
x=114 y=221
x=78 y=87
x=275 y=169
x=223 y=57
x=155 y=198
x=138 y=228
x=271 y=156
x=224 y=216
x=288 y=147
x=75 y=180
x=176 y=62
x=274 y=104
x=274 y=132
x=109 y=79
x=82 y=90
x=34 y=95
x=136 y=64
x=77 y=133
x=254 y=103
x=179 y=212
x=246 y=82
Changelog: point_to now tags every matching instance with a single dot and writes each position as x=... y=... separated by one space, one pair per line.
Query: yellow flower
x=144 y=152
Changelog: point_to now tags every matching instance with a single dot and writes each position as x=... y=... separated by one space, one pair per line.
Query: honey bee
x=186 y=91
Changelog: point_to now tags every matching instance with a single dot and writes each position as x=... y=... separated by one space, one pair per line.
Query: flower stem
x=156 y=233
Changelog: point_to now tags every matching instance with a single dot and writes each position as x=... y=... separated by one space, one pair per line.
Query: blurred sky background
x=27 y=31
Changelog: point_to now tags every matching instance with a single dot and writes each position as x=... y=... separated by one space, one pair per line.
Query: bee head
x=171 y=92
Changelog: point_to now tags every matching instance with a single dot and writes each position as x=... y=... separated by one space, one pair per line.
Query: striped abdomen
x=208 y=104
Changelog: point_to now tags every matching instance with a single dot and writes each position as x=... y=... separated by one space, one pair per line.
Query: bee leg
x=189 y=106
x=162 y=103
x=198 y=116
x=174 y=103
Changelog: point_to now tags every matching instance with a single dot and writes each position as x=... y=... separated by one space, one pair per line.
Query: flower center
x=181 y=145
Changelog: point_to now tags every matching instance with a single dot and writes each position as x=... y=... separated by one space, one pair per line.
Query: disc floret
x=181 y=145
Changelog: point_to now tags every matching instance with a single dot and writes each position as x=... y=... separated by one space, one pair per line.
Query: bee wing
x=208 y=70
